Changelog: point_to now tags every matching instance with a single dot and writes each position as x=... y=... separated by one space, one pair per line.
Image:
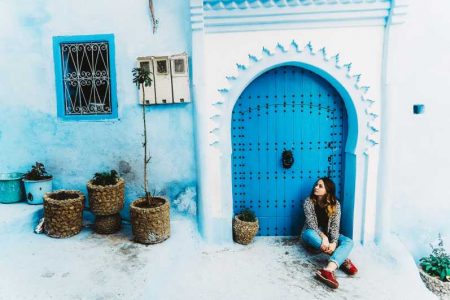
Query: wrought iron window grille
x=86 y=78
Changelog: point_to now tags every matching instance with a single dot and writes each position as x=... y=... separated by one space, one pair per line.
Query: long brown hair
x=329 y=200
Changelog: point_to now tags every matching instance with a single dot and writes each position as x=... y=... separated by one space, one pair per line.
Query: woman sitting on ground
x=321 y=231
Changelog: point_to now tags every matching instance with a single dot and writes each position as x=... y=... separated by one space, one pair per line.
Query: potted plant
x=63 y=213
x=106 y=192
x=37 y=182
x=245 y=226
x=150 y=215
x=435 y=270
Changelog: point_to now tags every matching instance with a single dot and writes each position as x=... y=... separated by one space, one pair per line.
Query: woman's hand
x=325 y=243
x=331 y=248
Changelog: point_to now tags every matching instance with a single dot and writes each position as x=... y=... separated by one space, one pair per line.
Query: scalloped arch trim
x=317 y=61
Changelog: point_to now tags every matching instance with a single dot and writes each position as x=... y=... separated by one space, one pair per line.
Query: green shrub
x=438 y=263
x=105 y=178
x=37 y=172
x=247 y=215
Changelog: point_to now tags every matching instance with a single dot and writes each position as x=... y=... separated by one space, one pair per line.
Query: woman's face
x=319 y=189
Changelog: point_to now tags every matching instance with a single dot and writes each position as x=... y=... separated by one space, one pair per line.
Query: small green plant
x=105 y=178
x=438 y=263
x=37 y=172
x=247 y=215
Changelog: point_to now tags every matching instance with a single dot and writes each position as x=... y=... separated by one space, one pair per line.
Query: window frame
x=60 y=103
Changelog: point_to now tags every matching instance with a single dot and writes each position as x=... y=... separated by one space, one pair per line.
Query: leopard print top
x=311 y=220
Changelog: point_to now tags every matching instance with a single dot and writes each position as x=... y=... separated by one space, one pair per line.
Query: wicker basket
x=106 y=200
x=107 y=224
x=150 y=225
x=244 y=232
x=63 y=218
x=438 y=287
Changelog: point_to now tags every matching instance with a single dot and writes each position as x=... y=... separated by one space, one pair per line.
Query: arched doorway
x=287 y=108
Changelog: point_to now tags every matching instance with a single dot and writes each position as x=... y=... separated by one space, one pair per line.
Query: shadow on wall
x=182 y=197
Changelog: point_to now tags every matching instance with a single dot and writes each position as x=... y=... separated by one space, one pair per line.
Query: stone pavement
x=93 y=266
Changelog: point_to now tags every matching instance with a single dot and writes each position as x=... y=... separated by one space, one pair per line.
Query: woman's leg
x=312 y=239
x=344 y=247
x=326 y=275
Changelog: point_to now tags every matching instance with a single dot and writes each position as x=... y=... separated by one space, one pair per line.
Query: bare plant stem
x=146 y=161
x=152 y=13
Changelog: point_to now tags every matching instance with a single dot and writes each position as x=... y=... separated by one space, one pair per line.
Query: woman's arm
x=335 y=224
x=310 y=216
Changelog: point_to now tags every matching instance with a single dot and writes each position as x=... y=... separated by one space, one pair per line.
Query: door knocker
x=287 y=158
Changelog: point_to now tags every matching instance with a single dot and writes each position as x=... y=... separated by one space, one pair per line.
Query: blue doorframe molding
x=57 y=41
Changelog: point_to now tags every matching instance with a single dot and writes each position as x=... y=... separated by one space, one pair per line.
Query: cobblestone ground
x=93 y=266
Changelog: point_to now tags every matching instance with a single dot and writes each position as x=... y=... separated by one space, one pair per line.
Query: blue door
x=292 y=110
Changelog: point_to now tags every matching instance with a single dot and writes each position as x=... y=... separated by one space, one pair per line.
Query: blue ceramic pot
x=35 y=190
x=11 y=189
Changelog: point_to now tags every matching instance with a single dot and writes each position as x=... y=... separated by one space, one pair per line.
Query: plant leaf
x=443 y=275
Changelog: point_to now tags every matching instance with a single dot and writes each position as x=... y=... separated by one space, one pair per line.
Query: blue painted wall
x=73 y=151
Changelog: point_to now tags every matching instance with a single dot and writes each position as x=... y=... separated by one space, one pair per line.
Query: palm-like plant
x=141 y=77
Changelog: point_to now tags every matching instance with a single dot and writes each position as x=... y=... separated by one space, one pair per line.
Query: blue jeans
x=343 y=249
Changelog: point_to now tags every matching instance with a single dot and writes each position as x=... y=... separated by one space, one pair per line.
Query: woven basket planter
x=150 y=225
x=434 y=284
x=63 y=213
x=244 y=232
x=107 y=224
x=106 y=200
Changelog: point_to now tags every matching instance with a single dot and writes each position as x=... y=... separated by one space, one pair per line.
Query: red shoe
x=348 y=267
x=328 y=278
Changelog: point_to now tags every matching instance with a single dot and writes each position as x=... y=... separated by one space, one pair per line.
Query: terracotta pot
x=150 y=225
x=63 y=213
x=436 y=285
x=244 y=232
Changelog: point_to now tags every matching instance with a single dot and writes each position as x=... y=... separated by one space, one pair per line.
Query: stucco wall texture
x=73 y=151
x=418 y=73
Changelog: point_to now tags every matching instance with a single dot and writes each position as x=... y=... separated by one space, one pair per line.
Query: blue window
x=85 y=77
